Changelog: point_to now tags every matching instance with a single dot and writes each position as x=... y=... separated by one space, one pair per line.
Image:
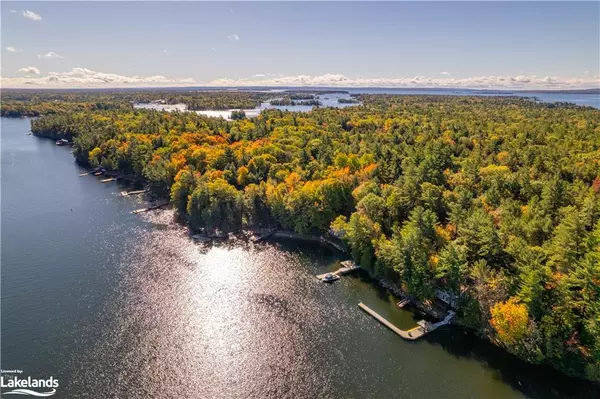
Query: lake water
x=327 y=100
x=330 y=100
x=116 y=305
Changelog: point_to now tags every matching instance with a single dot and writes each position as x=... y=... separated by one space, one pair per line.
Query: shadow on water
x=534 y=381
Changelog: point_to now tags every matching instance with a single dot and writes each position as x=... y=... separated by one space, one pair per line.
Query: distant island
x=294 y=100
x=565 y=91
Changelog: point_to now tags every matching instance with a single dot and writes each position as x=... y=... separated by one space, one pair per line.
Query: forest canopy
x=496 y=200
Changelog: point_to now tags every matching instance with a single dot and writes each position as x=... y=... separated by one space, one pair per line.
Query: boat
x=62 y=142
x=403 y=303
x=98 y=171
x=330 y=277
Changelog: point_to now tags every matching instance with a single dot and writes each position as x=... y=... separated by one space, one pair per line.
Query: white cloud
x=30 y=70
x=233 y=37
x=50 y=54
x=480 y=82
x=445 y=73
x=13 y=49
x=31 y=15
x=84 y=77
x=213 y=49
x=13 y=11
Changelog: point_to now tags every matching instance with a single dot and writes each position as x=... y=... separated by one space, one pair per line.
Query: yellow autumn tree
x=94 y=156
x=510 y=320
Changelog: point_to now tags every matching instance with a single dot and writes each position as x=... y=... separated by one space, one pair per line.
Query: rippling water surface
x=117 y=305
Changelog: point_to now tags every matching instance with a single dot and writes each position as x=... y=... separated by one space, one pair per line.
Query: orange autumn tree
x=510 y=320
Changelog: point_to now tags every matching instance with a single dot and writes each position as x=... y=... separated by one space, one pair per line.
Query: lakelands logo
x=43 y=387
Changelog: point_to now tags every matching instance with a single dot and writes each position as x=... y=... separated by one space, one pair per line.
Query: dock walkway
x=411 y=335
x=127 y=194
x=149 y=208
x=414 y=333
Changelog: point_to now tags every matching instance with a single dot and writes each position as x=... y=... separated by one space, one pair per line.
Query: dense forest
x=19 y=103
x=496 y=200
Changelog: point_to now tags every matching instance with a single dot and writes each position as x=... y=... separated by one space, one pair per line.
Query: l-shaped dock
x=423 y=328
x=411 y=335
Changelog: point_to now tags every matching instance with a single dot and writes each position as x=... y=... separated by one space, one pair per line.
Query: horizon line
x=338 y=88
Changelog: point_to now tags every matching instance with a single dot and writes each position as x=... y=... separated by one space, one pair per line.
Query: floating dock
x=108 y=180
x=348 y=266
x=127 y=194
x=149 y=208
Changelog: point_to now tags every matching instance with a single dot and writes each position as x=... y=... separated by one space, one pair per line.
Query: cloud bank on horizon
x=84 y=77
x=491 y=82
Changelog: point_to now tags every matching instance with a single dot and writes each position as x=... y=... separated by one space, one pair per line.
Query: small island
x=294 y=100
x=350 y=100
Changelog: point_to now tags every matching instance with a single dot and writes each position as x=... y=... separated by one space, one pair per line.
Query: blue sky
x=466 y=44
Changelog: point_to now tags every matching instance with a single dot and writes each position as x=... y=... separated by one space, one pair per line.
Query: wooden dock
x=348 y=266
x=108 y=180
x=149 y=208
x=411 y=335
x=127 y=194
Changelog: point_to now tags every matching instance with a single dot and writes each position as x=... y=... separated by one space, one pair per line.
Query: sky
x=527 y=45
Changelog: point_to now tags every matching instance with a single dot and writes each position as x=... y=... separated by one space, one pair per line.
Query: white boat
x=330 y=277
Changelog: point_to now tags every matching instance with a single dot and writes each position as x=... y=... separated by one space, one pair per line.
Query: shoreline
x=380 y=281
